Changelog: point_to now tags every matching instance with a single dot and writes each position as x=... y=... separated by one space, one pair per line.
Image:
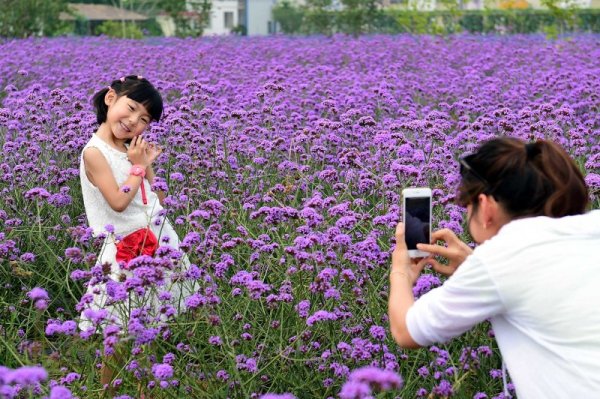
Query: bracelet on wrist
x=398 y=272
x=137 y=170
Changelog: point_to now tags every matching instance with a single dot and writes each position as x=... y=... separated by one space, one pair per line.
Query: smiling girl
x=116 y=175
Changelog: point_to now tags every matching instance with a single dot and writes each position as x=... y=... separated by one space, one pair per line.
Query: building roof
x=101 y=12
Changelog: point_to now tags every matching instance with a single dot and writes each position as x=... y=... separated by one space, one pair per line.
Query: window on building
x=228 y=19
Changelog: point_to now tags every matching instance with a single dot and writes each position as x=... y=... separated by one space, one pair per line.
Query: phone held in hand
x=416 y=210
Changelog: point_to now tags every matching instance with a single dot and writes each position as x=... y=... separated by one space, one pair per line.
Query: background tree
x=565 y=12
x=320 y=16
x=289 y=17
x=451 y=24
x=24 y=18
x=358 y=16
x=190 y=17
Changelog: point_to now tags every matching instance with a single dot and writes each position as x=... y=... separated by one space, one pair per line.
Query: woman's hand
x=455 y=251
x=401 y=262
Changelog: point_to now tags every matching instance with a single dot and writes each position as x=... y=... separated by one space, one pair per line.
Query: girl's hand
x=137 y=153
x=401 y=262
x=455 y=251
x=153 y=152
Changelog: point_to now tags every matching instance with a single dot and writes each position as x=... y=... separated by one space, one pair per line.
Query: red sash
x=140 y=242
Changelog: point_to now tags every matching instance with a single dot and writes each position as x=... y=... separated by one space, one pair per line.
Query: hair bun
x=532 y=150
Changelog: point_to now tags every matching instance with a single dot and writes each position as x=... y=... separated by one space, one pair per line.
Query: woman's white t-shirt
x=538 y=281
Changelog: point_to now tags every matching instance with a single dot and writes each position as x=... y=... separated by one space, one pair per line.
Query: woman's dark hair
x=528 y=179
x=134 y=87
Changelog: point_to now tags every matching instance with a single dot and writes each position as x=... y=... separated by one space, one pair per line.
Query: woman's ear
x=488 y=209
x=485 y=209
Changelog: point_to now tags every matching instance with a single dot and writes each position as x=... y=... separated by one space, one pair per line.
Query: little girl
x=116 y=175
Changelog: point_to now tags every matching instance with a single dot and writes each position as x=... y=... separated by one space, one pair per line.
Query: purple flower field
x=284 y=160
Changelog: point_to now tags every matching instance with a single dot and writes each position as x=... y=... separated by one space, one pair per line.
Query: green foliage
x=565 y=16
x=362 y=16
x=150 y=27
x=419 y=22
x=357 y=16
x=24 y=18
x=288 y=16
x=123 y=29
x=107 y=2
x=240 y=30
x=451 y=19
x=588 y=20
x=489 y=21
x=530 y=21
x=551 y=31
x=319 y=17
x=186 y=26
x=319 y=21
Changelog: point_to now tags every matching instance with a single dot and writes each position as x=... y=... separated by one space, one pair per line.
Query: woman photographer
x=534 y=274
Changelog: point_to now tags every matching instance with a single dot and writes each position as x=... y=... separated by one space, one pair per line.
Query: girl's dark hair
x=528 y=179
x=134 y=87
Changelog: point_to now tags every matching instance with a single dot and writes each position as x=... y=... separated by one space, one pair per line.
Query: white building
x=223 y=17
x=259 y=17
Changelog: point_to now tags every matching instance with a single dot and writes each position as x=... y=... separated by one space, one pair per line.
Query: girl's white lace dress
x=136 y=216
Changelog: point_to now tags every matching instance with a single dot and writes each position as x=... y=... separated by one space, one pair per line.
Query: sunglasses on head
x=466 y=166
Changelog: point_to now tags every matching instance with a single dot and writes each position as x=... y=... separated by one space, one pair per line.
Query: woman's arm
x=403 y=274
x=467 y=298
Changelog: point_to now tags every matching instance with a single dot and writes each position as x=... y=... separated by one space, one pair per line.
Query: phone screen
x=416 y=221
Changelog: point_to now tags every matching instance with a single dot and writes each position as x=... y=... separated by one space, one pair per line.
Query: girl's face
x=126 y=118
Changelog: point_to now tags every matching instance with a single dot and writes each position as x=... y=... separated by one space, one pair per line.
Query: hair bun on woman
x=532 y=150
x=528 y=179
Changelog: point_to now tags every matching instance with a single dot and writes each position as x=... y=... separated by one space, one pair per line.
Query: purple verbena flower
x=162 y=371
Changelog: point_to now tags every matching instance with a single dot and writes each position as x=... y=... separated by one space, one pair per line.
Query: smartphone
x=416 y=210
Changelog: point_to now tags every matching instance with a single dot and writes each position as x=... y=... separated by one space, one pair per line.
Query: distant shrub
x=288 y=16
x=515 y=20
x=127 y=30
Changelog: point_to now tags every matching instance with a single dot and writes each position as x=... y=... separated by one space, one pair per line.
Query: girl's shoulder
x=105 y=148
x=94 y=141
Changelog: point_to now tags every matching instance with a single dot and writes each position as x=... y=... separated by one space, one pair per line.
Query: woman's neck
x=106 y=135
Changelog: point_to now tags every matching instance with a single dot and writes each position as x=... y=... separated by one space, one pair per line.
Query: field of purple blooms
x=284 y=159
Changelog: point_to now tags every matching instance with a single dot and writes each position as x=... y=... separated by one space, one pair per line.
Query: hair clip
x=140 y=77
x=122 y=79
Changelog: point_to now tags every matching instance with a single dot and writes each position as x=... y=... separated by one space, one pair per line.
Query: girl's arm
x=150 y=175
x=100 y=175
